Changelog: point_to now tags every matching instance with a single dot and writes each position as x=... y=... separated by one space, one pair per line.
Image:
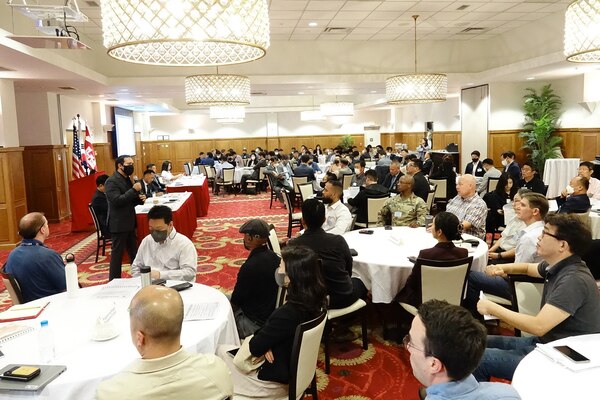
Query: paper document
x=486 y=317
x=23 y=311
x=200 y=311
x=120 y=288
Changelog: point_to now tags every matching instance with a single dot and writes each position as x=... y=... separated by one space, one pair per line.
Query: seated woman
x=166 y=172
x=505 y=191
x=445 y=228
x=300 y=272
x=445 y=170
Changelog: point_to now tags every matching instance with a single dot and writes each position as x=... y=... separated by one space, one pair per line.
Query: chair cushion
x=410 y=308
x=297 y=215
x=338 y=312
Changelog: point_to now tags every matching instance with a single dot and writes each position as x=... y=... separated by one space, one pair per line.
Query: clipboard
x=21 y=312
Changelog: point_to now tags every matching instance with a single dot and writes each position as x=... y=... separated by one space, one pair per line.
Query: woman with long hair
x=166 y=173
x=505 y=191
x=300 y=273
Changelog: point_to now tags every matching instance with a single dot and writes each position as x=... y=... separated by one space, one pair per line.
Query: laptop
x=48 y=374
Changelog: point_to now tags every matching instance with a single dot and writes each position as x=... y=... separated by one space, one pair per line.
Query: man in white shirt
x=490 y=172
x=337 y=216
x=586 y=169
x=168 y=253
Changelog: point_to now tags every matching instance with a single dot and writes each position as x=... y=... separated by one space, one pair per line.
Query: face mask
x=276 y=153
x=159 y=236
x=475 y=160
x=128 y=169
x=280 y=278
x=504 y=162
x=570 y=189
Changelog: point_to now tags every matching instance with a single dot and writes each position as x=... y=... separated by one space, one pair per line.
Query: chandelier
x=228 y=114
x=215 y=90
x=185 y=32
x=416 y=88
x=337 y=109
x=582 y=31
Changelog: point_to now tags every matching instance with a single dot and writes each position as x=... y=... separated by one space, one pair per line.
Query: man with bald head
x=165 y=369
x=470 y=209
x=404 y=209
x=39 y=270
x=578 y=201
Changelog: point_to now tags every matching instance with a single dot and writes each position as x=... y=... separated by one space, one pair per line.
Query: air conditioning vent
x=66 y=88
x=337 y=30
x=463 y=7
x=472 y=30
x=258 y=93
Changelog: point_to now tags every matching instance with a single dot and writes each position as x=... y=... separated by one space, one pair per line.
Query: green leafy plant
x=347 y=141
x=542 y=111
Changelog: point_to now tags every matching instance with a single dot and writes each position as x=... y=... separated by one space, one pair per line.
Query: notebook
x=22 y=311
x=10 y=331
x=48 y=374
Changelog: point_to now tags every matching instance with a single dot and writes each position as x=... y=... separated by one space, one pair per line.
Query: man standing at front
x=165 y=370
x=570 y=303
x=123 y=195
x=470 y=209
x=337 y=216
x=168 y=253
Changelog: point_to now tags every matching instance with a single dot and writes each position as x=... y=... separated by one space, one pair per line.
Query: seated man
x=165 y=370
x=490 y=172
x=404 y=209
x=170 y=254
x=531 y=179
x=255 y=292
x=39 y=270
x=578 y=201
x=504 y=249
x=337 y=216
x=359 y=173
x=334 y=253
x=570 y=300
x=470 y=209
x=100 y=204
x=280 y=177
x=445 y=344
x=391 y=179
x=158 y=185
x=421 y=185
x=148 y=187
x=303 y=169
x=344 y=168
x=371 y=190
x=586 y=169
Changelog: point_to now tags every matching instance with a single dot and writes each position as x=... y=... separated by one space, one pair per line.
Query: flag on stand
x=88 y=153
x=78 y=171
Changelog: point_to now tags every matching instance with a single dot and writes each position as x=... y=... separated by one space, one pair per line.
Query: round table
x=382 y=263
x=549 y=375
x=89 y=362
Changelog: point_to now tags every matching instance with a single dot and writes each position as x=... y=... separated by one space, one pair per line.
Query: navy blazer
x=575 y=203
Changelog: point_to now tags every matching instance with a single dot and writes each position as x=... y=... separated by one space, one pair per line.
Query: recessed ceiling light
x=373 y=91
x=124 y=90
x=530 y=78
x=139 y=95
x=100 y=95
x=312 y=24
x=470 y=84
x=300 y=92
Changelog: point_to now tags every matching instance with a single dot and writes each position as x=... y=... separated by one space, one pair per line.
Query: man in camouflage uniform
x=405 y=209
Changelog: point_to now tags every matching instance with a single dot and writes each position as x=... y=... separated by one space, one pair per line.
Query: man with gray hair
x=165 y=370
x=470 y=209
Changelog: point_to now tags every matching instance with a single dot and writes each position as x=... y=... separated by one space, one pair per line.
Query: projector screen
x=124 y=135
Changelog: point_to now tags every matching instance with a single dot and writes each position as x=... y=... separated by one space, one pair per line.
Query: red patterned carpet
x=380 y=372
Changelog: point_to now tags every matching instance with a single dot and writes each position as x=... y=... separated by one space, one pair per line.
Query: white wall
x=475 y=108
x=444 y=115
x=9 y=131
x=33 y=119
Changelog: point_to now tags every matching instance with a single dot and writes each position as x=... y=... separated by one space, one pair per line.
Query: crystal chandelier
x=214 y=90
x=582 y=31
x=185 y=32
x=337 y=109
x=228 y=114
x=416 y=88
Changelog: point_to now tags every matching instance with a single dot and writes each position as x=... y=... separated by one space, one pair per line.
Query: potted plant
x=542 y=111
x=346 y=142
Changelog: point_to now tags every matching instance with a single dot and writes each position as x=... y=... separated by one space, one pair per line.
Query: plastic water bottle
x=46 y=343
x=145 y=275
x=71 y=275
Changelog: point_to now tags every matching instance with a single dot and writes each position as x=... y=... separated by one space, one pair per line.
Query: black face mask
x=128 y=169
x=475 y=160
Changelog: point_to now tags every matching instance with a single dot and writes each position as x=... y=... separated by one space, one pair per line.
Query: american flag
x=78 y=171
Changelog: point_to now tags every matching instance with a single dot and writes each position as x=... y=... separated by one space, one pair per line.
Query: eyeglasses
x=407 y=343
x=545 y=232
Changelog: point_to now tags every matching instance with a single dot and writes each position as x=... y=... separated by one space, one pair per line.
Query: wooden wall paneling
x=589 y=147
x=272 y=143
x=13 y=201
x=104 y=160
x=60 y=157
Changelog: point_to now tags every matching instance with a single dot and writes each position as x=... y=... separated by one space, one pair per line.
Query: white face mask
x=570 y=189
x=504 y=162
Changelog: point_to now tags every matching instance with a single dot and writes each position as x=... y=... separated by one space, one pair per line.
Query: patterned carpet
x=380 y=372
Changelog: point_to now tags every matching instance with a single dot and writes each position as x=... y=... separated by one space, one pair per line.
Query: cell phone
x=572 y=354
x=233 y=352
x=388 y=227
x=366 y=231
x=159 y=281
x=181 y=286
x=22 y=373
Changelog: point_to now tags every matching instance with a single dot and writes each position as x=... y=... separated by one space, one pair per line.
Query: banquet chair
x=296 y=182
x=257 y=183
x=202 y=169
x=526 y=296
x=12 y=286
x=306 y=191
x=441 y=190
x=211 y=173
x=431 y=197
x=101 y=240
x=584 y=217
x=382 y=171
x=358 y=306
x=294 y=219
x=273 y=242
x=347 y=181
x=491 y=184
x=370 y=164
x=442 y=280
x=271 y=181
x=374 y=204
x=246 y=161
x=303 y=362
x=228 y=174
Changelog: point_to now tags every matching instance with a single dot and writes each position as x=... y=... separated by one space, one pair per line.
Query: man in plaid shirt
x=470 y=209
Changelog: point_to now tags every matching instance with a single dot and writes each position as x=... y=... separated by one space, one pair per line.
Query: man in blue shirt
x=39 y=270
x=445 y=344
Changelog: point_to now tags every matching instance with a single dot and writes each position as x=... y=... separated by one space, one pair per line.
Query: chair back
x=273 y=242
x=187 y=168
x=373 y=207
x=305 y=351
x=228 y=174
x=584 y=217
x=526 y=295
x=444 y=280
x=210 y=172
x=298 y=180
x=287 y=201
x=246 y=161
x=202 y=169
x=347 y=181
x=306 y=190
x=430 y=198
x=370 y=164
x=95 y=219
x=261 y=173
x=382 y=171
x=441 y=190
x=281 y=296
x=491 y=184
x=12 y=286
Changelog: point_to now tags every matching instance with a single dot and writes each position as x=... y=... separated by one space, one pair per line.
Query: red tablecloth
x=200 y=194
x=81 y=192
x=184 y=220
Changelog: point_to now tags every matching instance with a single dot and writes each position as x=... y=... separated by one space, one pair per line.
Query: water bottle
x=71 y=275
x=46 y=343
x=145 y=276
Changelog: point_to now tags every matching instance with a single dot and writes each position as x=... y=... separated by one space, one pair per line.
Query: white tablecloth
x=173 y=200
x=241 y=171
x=383 y=266
x=558 y=172
x=89 y=362
x=594 y=216
x=194 y=180
x=540 y=377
